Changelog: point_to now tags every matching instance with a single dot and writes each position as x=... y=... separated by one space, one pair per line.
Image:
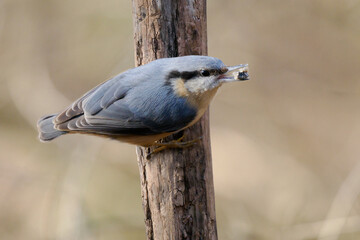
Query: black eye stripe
x=190 y=75
x=173 y=74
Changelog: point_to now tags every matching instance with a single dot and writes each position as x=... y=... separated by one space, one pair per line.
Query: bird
x=147 y=103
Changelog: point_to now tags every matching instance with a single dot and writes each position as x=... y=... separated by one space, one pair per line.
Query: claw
x=178 y=143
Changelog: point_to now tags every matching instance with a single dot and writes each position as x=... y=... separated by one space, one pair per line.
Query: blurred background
x=285 y=144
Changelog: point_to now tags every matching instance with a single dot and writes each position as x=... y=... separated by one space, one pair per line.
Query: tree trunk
x=177 y=184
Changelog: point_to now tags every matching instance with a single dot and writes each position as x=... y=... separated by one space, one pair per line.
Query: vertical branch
x=177 y=185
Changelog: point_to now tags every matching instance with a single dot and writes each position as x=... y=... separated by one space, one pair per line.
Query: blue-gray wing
x=123 y=106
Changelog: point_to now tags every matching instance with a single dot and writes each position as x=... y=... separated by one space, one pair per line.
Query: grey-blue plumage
x=46 y=128
x=143 y=104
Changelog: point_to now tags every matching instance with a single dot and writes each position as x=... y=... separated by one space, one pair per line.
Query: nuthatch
x=146 y=103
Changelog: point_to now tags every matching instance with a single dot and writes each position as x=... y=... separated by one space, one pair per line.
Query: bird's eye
x=204 y=73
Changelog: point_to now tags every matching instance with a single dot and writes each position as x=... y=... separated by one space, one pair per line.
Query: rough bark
x=176 y=184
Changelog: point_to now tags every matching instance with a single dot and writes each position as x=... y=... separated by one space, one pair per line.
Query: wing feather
x=101 y=110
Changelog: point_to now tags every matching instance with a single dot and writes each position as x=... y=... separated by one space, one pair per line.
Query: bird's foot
x=177 y=143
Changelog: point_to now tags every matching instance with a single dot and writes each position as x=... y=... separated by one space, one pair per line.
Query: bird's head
x=199 y=77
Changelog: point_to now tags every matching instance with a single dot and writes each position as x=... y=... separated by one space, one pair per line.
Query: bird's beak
x=236 y=73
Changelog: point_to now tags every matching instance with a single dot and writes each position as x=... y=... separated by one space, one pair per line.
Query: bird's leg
x=177 y=143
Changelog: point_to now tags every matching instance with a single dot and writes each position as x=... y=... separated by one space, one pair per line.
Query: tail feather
x=47 y=132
